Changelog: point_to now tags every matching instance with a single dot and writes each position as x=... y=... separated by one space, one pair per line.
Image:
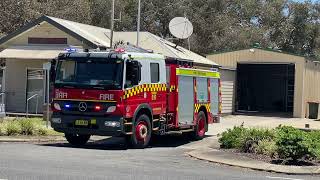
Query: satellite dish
x=181 y=27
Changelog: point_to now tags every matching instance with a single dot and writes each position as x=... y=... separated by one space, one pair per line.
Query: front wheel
x=141 y=132
x=77 y=139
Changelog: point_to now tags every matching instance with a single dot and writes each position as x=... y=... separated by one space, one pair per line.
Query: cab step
x=179 y=132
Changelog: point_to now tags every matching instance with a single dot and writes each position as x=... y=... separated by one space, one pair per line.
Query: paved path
x=108 y=160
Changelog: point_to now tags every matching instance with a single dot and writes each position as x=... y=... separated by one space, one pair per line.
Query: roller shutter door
x=227 y=90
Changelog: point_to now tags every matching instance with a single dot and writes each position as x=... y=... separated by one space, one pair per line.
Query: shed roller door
x=227 y=88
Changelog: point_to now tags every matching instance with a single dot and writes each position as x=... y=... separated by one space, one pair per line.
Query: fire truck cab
x=132 y=94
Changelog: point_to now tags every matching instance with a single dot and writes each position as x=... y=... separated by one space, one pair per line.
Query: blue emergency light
x=67 y=105
x=70 y=49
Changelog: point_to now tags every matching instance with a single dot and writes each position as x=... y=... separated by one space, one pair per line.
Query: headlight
x=57 y=106
x=56 y=120
x=112 y=123
x=111 y=109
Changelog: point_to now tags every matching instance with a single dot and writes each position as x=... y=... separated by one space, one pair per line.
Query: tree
x=16 y=13
x=219 y=25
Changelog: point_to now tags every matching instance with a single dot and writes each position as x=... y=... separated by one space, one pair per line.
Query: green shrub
x=12 y=128
x=42 y=131
x=3 y=129
x=23 y=126
x=244 y=139
x=314 y=144
x=287 y=143
x=293 y=144
x=266 y=147
x=252 y=137
x=27 y=126
x=232 y=138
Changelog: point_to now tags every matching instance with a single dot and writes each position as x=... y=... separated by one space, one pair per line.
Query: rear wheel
x=200 y=129
x=141 y=132
x=77 y=139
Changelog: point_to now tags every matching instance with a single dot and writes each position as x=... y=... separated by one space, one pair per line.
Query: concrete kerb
x=43 y=139
x=25 y=139
x=221 y=157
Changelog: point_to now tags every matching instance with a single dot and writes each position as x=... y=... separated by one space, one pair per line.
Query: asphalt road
x=108 y=160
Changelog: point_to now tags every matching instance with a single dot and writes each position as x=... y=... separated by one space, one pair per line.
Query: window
x=154 y=69
x=133 y=74
x=168 y=75
x=90 y=73
x=35 y=40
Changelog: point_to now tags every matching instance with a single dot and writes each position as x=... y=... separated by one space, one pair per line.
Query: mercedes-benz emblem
x=82 y=106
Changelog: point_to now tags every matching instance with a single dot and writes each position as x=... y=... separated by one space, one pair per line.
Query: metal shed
x=269 y=81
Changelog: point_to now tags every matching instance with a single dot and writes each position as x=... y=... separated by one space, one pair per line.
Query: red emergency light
x=97 y=108
x=120 y=50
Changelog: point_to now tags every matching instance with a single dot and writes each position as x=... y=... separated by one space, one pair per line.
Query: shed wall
x=231 y=59
x=16 y=82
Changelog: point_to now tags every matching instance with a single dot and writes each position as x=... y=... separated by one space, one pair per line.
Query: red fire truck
x=130 y=94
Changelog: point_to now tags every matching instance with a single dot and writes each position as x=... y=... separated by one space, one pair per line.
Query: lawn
x=25 y=127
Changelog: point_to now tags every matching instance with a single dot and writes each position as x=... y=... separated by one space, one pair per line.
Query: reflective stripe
x=85 y=100
x=197 y=73
x=144 y=88
x=198 y=105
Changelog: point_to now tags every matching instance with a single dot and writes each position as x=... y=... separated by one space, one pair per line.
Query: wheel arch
x=143 y=109
x=204 y=109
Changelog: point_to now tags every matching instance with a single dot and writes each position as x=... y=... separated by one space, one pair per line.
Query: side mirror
x=53 y=70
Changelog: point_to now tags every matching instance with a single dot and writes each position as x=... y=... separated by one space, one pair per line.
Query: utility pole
x=112 y=24
x=138 y=23
x=189 y=46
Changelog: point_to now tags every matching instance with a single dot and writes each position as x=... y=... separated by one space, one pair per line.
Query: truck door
x=158 y=87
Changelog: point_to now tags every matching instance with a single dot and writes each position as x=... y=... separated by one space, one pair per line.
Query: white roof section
x=32 y=52
x=143 y=56
x=100 y=37
x=150 y=41
x=97 y=35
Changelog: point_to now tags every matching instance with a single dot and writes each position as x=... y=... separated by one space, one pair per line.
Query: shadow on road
x=118 y=143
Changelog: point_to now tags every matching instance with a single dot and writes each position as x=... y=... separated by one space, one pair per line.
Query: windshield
x=90 y=73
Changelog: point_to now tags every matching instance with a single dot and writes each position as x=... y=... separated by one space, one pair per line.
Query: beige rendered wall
x=16 y=82
x=230 y=59
x=44 y=30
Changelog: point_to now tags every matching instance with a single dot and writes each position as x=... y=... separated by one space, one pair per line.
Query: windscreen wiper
x=71 y=87
x=98 y=87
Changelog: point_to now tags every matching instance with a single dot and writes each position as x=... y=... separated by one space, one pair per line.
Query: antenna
x=181 y=27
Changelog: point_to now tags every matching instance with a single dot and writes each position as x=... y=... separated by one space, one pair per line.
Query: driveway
x=110 y=159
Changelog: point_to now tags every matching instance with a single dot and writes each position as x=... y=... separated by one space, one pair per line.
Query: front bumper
x=96 y=125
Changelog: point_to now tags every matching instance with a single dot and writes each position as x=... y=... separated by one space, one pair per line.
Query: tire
x=141 y=133
x=200 y=128
x=76 y=139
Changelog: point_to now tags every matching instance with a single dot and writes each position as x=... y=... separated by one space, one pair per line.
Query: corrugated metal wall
x=231 y=59
x=312 y=84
